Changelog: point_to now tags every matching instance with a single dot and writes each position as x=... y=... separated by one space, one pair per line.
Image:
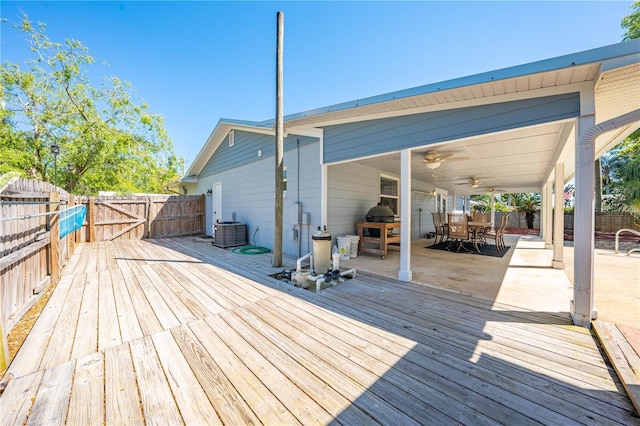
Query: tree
x=631 y=23
x=108 y=140
x=627 y=170
x=527 y=203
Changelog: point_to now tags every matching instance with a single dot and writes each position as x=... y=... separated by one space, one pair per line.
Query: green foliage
x=569 y=209
x=484 y=204
x=626 y=170
x=631 y=23
x=108 y=140
x=527 y=203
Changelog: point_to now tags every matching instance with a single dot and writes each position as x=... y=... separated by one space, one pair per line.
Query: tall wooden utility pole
x=277 y=233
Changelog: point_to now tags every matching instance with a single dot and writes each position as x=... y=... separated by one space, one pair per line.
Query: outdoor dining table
x=474 y=230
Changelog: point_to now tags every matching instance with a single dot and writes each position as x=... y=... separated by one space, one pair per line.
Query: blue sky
x=195 y=62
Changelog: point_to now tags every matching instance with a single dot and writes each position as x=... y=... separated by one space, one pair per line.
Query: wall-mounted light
x=55 y=150
x=209 y=192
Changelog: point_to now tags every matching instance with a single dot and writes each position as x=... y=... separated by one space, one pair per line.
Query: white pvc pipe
x=299 y=261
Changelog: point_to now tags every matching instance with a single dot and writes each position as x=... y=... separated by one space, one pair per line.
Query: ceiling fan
x=433 y=159
x=492 y=189
x=472 y=182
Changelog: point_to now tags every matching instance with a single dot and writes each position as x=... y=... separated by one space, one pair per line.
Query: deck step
x=623 y=356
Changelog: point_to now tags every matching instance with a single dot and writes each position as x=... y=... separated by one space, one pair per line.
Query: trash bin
x=344 y=247
x=353 y=253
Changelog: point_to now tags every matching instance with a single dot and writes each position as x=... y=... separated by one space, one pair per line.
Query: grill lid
x=380 y=213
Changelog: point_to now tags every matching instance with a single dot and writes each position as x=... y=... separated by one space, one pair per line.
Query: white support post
x=324 y=176
x=493 y=211
x=324 y=171
x=558 y=218
x=582 y=310
x=547 y=210
x=405 y=274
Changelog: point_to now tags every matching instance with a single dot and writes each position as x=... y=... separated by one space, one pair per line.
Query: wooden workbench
x=382 y=241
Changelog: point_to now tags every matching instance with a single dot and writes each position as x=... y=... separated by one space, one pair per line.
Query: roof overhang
x=610 y=75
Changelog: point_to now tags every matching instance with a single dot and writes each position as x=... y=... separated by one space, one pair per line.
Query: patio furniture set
x=462 y=228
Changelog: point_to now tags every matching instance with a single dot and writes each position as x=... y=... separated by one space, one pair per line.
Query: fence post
x=91 y=232
x=4 y=346
x=54 y=236
x=203 y=221
x=148 y=224
x=71 y=236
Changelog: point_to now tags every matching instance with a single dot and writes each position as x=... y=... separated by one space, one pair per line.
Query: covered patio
x=529 y=128
x=177 y=331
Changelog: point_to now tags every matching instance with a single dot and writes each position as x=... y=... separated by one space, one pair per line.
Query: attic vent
x=231 y=141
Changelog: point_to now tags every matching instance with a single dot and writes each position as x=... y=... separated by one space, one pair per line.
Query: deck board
x=86 y=402
x=176 y=331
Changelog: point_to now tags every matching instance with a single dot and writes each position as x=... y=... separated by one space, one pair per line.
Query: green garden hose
x=251 y=250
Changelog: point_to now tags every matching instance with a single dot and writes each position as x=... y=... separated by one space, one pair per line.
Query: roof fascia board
x=586 y=57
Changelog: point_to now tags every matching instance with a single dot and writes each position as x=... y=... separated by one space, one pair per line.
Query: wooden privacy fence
x=32 y=250
x=142 y=216
x=607 y=222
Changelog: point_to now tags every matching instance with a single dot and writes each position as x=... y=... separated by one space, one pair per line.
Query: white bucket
x=344 y=247
x=354 y=245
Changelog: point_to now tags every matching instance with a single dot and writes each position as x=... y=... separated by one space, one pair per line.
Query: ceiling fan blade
x=458 y=159
x=445 y=155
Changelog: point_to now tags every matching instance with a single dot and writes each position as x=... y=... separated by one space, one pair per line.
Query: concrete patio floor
x=522 y=278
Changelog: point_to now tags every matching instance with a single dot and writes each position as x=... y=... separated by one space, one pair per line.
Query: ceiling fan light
x=433 y=165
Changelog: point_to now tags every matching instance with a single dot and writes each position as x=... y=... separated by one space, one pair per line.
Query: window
x=284 y=181
x=389 y=193
x=231 y=139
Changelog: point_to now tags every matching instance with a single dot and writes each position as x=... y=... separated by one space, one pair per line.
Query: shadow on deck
x=176 y=330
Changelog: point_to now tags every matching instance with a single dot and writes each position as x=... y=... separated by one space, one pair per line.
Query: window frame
x=391 y=197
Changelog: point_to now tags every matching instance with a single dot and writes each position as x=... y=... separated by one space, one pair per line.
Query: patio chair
x=480 y=217
x=445 y=225
x=458 y=231
x=498 y=235
x=441 y=228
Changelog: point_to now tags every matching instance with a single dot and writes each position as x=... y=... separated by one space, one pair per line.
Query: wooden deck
x=176 y=331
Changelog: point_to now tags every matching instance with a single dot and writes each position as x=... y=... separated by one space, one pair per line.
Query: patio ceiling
x=513 y=161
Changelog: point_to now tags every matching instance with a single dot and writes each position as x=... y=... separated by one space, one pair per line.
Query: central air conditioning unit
x=229 y=234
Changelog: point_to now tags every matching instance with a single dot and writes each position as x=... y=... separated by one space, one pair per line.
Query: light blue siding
x=248 y=190
x=245 y=150
x=355 y=140
x=353 y=189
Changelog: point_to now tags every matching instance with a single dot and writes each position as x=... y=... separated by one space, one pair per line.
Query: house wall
x=365 y=138
x=248 y=187
x=353 y=189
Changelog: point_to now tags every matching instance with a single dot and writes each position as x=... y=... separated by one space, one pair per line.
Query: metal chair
x=441 y=230
x=498 y=235
x=458 y=231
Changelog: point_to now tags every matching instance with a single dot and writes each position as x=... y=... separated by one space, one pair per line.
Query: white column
x=405 y=274
x=324 y=176
x=324 y=172
x=582 y=307
x=558 y=218
x=493 y=211
x=547 y=214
